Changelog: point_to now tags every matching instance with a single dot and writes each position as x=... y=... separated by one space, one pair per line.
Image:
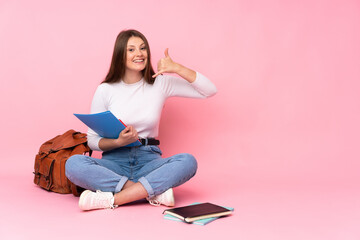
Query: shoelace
x=103 y=200
x=154 y=202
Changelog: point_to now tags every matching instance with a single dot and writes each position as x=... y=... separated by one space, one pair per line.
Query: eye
x=143 y=48
x=130 y=49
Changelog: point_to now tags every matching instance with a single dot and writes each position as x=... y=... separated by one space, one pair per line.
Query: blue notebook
x=197 y=222
x=105 y=124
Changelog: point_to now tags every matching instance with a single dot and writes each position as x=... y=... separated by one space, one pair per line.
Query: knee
x=72 y=164
x=189 y=162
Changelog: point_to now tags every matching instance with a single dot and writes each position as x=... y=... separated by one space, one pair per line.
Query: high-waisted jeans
x=142 y=164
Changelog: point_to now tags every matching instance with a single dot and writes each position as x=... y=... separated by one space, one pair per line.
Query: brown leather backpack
x=50 y=161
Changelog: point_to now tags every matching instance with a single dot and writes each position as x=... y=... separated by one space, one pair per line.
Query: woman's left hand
x=166 y=65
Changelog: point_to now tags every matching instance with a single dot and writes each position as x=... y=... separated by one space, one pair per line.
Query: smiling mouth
x=139 y=60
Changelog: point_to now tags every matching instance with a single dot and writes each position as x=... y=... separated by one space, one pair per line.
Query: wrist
x=177 y=68
x=186 y=73
x=119 y=142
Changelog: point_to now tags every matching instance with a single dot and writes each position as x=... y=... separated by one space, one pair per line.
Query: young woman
x=134 y=93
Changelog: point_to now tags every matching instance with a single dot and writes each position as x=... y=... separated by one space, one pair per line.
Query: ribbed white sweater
x=140 y=104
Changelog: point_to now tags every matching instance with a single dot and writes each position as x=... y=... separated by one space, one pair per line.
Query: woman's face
x=136 y=54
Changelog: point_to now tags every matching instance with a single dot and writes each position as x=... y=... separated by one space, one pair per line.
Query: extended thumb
x=167 y=52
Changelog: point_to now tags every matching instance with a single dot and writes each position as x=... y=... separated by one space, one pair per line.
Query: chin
x=140 y=68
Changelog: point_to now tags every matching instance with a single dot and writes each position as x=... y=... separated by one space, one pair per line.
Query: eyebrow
x=135 y=46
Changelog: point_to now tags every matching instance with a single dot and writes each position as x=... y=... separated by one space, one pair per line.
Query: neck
x=132 y=77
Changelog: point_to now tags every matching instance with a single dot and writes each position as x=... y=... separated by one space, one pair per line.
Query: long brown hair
x=118 y=61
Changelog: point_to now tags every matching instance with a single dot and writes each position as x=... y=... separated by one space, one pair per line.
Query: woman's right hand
x=127 y=136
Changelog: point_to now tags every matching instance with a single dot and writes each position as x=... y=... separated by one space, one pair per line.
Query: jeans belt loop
x=146 y=141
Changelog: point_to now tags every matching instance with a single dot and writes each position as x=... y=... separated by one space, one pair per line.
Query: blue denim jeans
x=142 y=164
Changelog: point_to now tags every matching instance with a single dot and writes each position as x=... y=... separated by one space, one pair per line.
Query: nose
x=139 y=52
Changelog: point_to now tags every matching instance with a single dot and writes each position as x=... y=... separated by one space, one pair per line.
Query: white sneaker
x=166 y=198
x=90 y=200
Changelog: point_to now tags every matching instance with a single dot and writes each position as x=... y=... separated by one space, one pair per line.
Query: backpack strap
x=69 y=139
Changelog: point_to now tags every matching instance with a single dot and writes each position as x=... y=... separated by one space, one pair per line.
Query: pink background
x=279 y=142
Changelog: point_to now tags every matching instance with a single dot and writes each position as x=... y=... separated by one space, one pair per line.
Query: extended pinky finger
x=156 y=74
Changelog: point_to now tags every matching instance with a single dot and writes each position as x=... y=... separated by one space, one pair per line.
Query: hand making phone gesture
x=167 y=65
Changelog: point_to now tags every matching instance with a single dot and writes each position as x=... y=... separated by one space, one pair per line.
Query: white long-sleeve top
x=140 y=104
